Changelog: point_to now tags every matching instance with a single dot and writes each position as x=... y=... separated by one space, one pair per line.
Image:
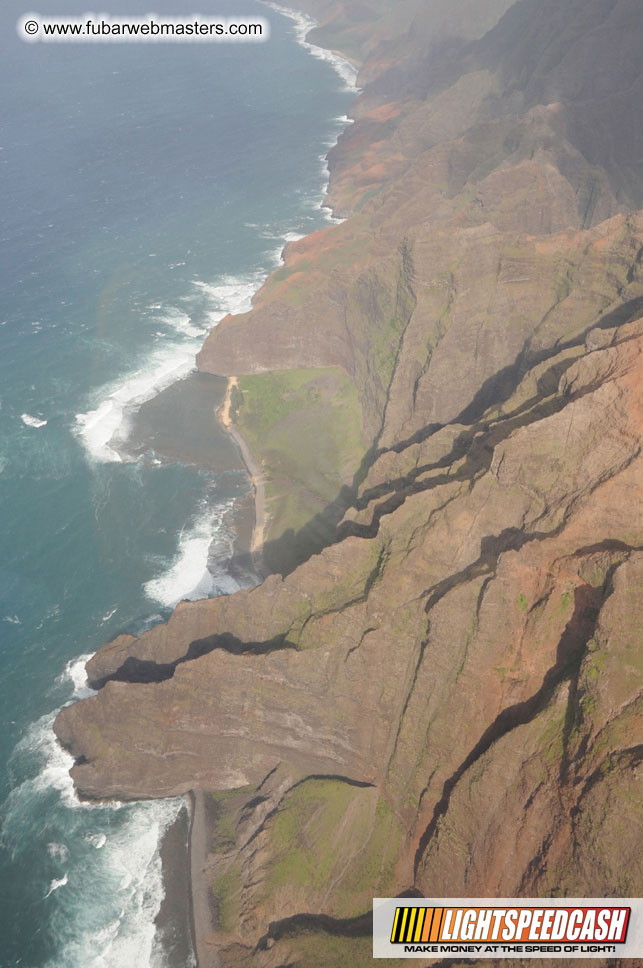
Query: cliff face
x=448 y=697
x=452 y=183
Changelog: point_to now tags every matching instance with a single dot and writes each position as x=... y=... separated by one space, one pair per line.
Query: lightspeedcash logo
x=508 y=928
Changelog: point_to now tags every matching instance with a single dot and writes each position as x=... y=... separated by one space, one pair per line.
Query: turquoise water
x=146 y=191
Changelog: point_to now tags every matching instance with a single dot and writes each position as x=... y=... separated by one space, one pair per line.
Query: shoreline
x=201 y=926
x=257 y=479
x=173 y=922
x=201 y=921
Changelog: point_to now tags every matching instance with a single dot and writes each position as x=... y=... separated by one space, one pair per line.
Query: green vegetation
x=367 y=196
x=551 y=741
x=386 y=339
x=223 y=808
x=522 y=602
x=286 y=271
x=376 y=865
x=595 y=662
x=304 y=832
x=305 y=469
x=226 y=893
x=329 y=834
x=365 y=566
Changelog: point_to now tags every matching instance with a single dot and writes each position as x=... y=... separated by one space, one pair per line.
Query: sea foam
x=303 y=25
x=30 y=421
x=103 y=430
x=230 y=294
x=105 y=883
x=55 y=884
x=101 y=427
x=177 y=320
x=199 y=568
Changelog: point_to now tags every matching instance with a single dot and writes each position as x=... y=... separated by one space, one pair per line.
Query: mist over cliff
x=438 y=688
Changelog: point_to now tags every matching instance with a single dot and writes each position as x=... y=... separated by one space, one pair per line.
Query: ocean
x=147 y=190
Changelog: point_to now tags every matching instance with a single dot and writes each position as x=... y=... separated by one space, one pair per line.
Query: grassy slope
x=305 y=470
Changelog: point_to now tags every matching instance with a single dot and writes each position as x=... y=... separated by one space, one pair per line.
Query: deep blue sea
x=146 y=191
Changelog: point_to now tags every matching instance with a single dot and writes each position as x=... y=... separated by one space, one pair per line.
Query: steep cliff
x=447 y=697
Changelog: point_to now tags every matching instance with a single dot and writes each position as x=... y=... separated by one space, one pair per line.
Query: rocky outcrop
x=471 y=657
x=447 y=698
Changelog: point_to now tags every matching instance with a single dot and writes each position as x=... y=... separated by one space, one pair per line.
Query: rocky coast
x=438 y=687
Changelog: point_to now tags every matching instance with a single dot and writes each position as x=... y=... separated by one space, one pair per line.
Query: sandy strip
x=174 y=920
x=202 y=926
x=224 y=411
x=257 y=479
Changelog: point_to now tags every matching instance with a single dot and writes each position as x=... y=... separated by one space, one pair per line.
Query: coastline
x=421 y=284
x=177 y=424
x=171 y=424
x=304 y=23
x=174 y=921
x=202 y=925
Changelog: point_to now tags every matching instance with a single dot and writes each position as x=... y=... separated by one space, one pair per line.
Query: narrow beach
x=257 y=478
x=202 y=926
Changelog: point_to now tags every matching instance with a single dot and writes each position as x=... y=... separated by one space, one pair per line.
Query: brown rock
x=449 y=697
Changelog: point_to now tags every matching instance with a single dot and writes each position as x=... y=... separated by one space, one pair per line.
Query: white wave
x=130 y=864
x=324 y=169
x=106 y=617
x=276 y=256
x=149 y=622
x=40 y=744
x=96 y=840
x=13 y=619
x=105 y=917
x=104 y=429
x=59 y=852
x=55 y=884
x=198 y=569
x=303 y=25
x=32 y=421
x=177 y=320
x=50 y=615
x=100 y=428
x=76 y=674
x=219 y=557
x=230 y=294
x=40 y=741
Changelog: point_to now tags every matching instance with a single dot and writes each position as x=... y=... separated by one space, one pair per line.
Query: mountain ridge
x=439 y=688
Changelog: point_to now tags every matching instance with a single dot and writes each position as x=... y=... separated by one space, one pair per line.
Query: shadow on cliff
x=138 y=670
x=572 y=648
x=298 y=924
x=293 y=548
x=476 y=444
